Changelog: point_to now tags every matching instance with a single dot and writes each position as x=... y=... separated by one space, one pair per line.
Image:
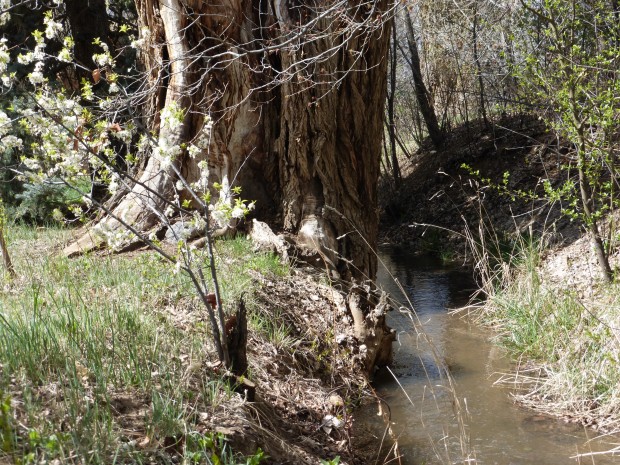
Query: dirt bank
x=108 y=358
x=439 y=200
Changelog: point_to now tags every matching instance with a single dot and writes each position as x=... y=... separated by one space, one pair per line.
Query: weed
x=334 y=461
x=567 y=348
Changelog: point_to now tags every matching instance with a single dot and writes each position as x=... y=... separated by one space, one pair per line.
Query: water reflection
x=500 y=433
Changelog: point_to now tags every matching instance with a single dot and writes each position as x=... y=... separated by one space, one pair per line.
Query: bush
x=47 y=202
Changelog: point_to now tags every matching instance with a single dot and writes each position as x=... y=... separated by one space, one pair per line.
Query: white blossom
x=204 y=136
x=38 y=53
x=5 y=123
x=65 y=55
x=25 y=58
x=145 y=33
x=103 y=59
x=52 y=28
x=66 y=105
x=193 y=151
x=137 y=43
x=199 y=221
x=4 y=7
x=36 y=77
x=31 y=164
x=203 y=181
x=113 y=185
x=219 y=216
x=106 y=104
x=237 y=212
x=172 y=116
x=124 y=135
x=4 y=56
x=11 y=142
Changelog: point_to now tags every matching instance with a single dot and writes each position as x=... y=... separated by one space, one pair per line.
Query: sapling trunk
x=6 y=259
x=585 y=189
x=592 y=225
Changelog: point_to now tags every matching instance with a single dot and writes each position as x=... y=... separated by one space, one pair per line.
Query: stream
x=422 y=402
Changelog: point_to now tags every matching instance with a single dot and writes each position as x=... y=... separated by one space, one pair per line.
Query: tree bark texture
x=296 y=97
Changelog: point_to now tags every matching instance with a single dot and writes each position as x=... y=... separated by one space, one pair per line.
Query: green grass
x=568 y=348
x=96 y=352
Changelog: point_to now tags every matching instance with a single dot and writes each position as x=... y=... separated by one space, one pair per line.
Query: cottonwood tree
x=294 y=91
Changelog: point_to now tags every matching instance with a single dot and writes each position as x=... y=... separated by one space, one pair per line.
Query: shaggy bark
x=299 y=128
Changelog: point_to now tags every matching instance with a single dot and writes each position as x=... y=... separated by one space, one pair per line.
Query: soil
x=302 y=381
x=440 y=202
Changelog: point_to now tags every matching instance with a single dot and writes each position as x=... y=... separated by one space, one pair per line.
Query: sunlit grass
x=100 y=352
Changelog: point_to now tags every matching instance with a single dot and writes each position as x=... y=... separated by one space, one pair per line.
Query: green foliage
x=213 y=449
x=334 y=461
x=572 y=341
x=7 y=433
x=42 y=203
x=93 y=327
x=571 y=77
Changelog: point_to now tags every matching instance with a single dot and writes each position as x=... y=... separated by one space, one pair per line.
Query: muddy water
x=423 y=403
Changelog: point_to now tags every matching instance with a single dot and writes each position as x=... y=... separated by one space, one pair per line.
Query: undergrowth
x=102 y=358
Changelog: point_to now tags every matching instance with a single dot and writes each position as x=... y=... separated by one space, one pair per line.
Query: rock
x=265 y=240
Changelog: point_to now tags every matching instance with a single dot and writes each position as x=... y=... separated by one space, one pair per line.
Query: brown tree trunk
x=6 y=259
x=89 y=21
x=391 y=110
x=297 y=116
x=481 y=92
x=421 y=92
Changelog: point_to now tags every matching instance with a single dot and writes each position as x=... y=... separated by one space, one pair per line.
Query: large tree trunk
x=89 y=22
x=296 y=94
